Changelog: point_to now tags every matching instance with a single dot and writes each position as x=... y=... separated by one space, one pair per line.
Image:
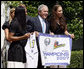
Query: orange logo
x=56 y=45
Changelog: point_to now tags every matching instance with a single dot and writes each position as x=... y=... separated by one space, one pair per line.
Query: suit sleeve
x=30 y=26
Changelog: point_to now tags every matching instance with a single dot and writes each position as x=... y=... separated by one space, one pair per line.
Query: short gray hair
x=41 y=6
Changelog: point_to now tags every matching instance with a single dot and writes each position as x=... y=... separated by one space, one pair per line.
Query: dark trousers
x=39 y=62
x=39 y=56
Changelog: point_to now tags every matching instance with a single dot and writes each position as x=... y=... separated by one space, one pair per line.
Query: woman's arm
x=67 y=33
x=16 y=38
x=6 y=31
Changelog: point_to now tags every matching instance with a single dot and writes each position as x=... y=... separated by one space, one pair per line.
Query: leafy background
x=73 y=11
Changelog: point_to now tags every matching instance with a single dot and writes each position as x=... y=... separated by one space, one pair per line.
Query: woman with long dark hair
x=58 y=25
x=18 y=36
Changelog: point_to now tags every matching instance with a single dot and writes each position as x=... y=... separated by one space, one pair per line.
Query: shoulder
x=28 y=17
x=14 y=23
x=35 y=18
x=32 y=19
x=49 y=19
x=14 y=26
x=5 y=25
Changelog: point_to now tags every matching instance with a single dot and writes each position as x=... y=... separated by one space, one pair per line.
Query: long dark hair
x=53 y=17
x=20 y=17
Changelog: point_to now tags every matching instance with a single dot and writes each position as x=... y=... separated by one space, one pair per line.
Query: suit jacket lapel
x=39 y=24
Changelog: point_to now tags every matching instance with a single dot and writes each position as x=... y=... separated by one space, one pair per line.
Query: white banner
x=55 y=49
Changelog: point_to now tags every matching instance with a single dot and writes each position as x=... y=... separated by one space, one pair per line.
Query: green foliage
x=32 y=7
x=73 y=11
x=76 y=59
x=14 y=3
x=32 y=11
x=76 y=26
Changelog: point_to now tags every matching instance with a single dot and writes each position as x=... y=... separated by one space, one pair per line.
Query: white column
x=2 y=22
x=8 y=13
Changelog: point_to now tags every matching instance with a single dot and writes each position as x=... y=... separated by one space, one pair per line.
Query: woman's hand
x=51 y=33
x=72 y=36
x=27 y=35
x=9 y=40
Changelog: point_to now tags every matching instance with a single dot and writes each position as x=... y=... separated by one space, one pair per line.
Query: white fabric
x=4 y=53
x=43 y=24
x=11 y=64
x=31 y=52
x=32 y=62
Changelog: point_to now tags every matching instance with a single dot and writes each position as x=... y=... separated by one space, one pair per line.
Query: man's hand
x=51 y=33
x=37 y=33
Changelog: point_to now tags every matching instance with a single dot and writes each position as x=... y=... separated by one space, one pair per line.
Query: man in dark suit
x=39 y=25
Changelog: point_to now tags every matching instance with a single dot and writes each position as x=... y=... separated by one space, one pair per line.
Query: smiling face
x=59 y=11
x=43 y=12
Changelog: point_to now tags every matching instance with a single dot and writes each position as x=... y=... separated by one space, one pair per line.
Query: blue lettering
x=58 y=54
x=62 y=58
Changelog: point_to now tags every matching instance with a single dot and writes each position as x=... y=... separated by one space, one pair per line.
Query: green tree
x=73 y=11
x=30 y=5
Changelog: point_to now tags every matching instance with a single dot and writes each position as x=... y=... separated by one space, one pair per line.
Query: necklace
x=58 y=23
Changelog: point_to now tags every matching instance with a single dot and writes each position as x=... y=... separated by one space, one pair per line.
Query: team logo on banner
x=47 y=41
x=57 y=45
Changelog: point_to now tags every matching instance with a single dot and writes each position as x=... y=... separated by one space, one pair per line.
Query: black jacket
x=35 y=25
